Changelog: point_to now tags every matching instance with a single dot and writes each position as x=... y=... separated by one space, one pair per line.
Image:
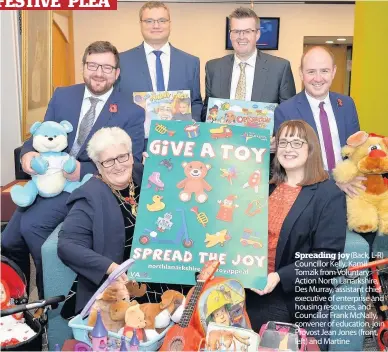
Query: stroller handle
x=33 y=305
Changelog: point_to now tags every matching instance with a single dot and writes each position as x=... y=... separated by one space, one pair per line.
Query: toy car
x=221 y=132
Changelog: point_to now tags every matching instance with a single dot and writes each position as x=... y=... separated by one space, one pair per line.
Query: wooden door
x=63 y=49
x=339 y=84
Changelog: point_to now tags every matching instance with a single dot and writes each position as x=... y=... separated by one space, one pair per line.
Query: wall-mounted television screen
x=269 y=34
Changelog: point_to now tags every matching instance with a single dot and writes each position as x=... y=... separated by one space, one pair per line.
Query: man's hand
x=112 y=268
x=26 y=162
x=272 y=281
x=76 y=175
x=272 y=146
x=352 y=188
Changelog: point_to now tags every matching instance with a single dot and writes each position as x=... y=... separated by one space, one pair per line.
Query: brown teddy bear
x=113 y=303
x=367 y=155
x=194 y=182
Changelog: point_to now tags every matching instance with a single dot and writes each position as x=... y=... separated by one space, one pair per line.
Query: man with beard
x=248 y=74
x=88 y=107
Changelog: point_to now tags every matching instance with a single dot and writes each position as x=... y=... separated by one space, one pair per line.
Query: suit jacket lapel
x=141 y=62
x=296 y=210
x=339 y=118
x=260 y=78
x=225 y=72
x=75 y=104
x=102 y=119
x=305 y=111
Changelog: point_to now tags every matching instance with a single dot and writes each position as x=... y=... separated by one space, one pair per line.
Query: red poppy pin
x=113 y=108
x=339 y=102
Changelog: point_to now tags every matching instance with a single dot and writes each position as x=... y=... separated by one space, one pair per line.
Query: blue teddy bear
x=49 y=139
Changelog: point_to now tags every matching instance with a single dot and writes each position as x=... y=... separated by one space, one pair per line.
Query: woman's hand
x=272 y=145
x=112 y=268
x=272 y=281
x=145 y=156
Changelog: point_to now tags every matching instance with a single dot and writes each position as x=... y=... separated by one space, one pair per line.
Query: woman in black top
x=97 y=234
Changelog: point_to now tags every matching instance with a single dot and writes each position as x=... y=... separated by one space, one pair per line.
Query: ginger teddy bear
x=367 y=155
x=194 y=182
x=135 y=322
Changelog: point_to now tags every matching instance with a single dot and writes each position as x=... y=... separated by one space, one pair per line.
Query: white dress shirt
x=249 y=74
x=86 y=105
x=151 y=62
x=314 y=104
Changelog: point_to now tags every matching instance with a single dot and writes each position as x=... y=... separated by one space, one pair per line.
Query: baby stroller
x=16 y=289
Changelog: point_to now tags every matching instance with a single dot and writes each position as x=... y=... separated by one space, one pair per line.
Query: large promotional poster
x=203 y=197
x=241 y=113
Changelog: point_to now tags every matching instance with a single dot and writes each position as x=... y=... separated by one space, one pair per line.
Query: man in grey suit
x=248 y=74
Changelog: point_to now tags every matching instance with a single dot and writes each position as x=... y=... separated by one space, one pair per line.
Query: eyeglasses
x=151 y=22
x=296 y=144
x=121 y=159
x=244 y=32
x=93 y=66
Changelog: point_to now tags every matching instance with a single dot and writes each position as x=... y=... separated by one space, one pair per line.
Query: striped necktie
x=86 y=125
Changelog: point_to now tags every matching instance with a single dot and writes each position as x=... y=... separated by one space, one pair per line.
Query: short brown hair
x=244 y=12
x=101 y=47
x=153 y=5
x=316 y=47
x=313 y=169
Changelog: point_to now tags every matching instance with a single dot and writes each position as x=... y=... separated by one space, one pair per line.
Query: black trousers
x=270 y=307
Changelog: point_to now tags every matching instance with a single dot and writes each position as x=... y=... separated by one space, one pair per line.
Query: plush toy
x=158 y=316
x=135 y=322
x=49 y=139
x=367 y=155
x=114 y=302
x=5 y=299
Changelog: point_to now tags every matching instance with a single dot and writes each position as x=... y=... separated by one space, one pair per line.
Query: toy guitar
x=185 y=336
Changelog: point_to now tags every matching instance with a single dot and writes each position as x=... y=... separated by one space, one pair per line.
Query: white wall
x=10 y=93
x=200 y=28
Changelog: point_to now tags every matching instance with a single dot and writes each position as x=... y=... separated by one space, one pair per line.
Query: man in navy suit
x=333 y=116
x=88 y=107
x=156 y=65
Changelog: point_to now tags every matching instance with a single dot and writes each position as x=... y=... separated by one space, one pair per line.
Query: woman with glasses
x=96 y=236
x=306 y=231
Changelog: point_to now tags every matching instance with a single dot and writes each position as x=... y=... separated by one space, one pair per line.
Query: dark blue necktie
x=159 y=71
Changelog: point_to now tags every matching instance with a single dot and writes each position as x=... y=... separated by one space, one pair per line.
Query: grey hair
x=244 y=12
x=105 y=138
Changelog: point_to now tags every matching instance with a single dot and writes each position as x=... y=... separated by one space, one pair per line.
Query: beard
x=98 y=85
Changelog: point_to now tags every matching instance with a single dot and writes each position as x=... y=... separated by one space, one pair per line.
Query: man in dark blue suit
x=156 y=65
x=333 y=116
x=88 y=107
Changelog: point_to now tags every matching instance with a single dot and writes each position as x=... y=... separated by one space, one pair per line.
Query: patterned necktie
x=242 y=82
x=326 y=134
x=159 y=72
x=86 y=125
